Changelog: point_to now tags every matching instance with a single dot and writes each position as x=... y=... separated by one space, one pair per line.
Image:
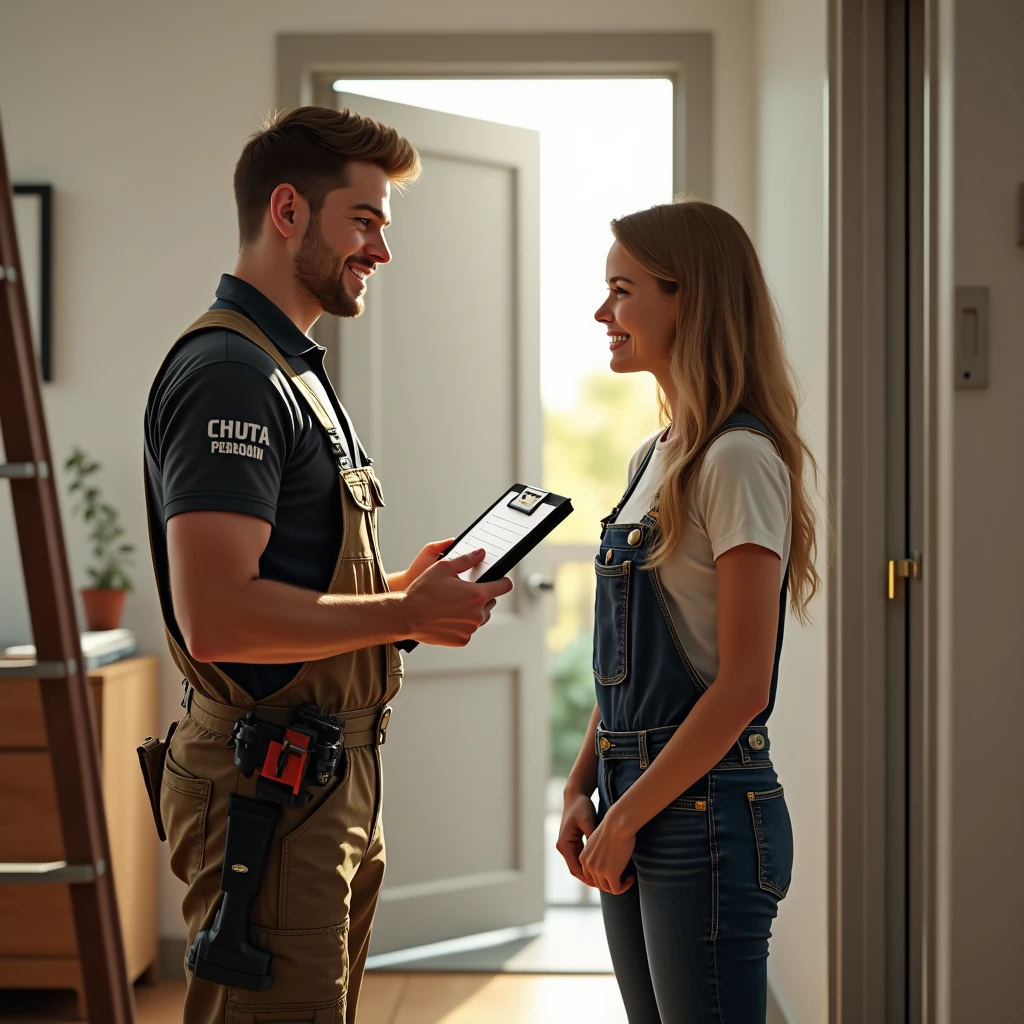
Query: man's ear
x=288 y=211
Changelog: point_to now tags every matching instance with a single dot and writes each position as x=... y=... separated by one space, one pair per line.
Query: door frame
x=685 y=58
x=864 y=655
x=857 y=475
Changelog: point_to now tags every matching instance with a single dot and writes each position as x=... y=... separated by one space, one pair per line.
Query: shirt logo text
x=237 y=437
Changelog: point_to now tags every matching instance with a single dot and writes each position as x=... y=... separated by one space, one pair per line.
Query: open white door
x=441 y=376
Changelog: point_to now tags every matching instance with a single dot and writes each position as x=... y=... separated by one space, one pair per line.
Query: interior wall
x=792 y=228
x=136 y=114
x=986 y=829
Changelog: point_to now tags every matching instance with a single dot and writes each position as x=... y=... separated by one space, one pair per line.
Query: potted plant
x=104 y=600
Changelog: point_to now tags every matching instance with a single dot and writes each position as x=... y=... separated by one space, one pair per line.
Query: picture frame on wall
x=33 y=224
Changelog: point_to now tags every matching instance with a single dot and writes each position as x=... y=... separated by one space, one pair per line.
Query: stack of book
x=98 y=649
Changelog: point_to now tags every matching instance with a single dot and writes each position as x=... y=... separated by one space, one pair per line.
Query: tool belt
x=288 y=749
x=365 y=727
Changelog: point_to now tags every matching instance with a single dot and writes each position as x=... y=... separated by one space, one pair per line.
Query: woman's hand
x=401 y=581
x=578 y=820
x=606 y=855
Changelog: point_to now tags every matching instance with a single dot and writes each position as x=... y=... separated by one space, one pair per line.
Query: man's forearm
x=266 y=622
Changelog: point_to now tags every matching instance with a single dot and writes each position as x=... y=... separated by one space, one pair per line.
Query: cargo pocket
x=394 y=658
x=184 y=802
x=310 y=968
x=312 y=890
x=773 y=834
x=611 y=623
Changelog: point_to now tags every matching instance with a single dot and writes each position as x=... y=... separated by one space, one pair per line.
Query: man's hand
x=399 y=581
x=447 y=611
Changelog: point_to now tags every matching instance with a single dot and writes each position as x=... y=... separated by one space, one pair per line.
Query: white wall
x=136 y=113
x=981 y=754
x=792 y=221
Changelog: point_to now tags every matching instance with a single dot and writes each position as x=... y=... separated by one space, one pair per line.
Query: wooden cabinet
x=38 y=948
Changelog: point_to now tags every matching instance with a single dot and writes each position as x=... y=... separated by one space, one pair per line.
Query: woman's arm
x=748 y=619
x=583 y=776
x=578 y=816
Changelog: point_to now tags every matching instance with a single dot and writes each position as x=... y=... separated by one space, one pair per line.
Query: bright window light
x=605 y=150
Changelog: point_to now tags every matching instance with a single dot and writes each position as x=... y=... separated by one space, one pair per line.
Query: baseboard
x=776 y=1013
x=172 y=959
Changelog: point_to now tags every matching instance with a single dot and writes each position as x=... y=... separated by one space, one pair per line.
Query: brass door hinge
x=906 y=568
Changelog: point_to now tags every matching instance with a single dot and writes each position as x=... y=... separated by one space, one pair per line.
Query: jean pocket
x=773 y=834
x=611 y=623
x=184 y=803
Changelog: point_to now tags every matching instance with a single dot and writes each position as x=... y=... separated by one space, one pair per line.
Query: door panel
x=441 y=376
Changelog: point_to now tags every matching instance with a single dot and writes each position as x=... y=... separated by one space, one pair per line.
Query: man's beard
x=320 y=273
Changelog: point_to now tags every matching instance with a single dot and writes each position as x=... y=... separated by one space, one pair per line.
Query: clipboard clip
x=528 y=500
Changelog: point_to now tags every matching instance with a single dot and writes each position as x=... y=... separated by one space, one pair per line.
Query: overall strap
x=238 y=324
x=637 y=476
x=741 y=419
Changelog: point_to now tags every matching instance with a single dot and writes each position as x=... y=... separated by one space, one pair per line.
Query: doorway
x=591 y=170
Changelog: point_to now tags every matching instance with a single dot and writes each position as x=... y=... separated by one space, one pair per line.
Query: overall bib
x=316 y=905
x=689 y=940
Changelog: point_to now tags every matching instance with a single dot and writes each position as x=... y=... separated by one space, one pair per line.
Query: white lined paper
x=498 y=533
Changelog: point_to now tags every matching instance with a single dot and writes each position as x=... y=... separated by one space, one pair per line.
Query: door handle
x=905 y=568
x=537 y=583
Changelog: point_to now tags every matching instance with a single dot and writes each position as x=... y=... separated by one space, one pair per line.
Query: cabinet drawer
x=21 y=714
x=22 y=726
x=37 y=921
x=28 y=808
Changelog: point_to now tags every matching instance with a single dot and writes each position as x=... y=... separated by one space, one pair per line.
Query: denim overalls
x=689 y=940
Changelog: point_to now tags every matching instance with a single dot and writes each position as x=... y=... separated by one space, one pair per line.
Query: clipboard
x=509 y=530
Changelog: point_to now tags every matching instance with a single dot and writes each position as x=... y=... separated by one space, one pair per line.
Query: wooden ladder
x=67 y=708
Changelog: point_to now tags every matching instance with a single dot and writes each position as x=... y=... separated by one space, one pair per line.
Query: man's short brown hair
x=310 y=147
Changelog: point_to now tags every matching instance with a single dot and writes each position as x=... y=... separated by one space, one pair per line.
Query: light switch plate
x=972 y=337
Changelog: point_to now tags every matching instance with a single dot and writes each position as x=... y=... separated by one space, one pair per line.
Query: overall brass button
x=634 y=538
x=756 y=741
x=604 y=743
x=608 y=556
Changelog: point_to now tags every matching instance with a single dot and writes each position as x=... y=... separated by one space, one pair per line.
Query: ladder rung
x=24 y=470
x=39 y=669
x=50 y=872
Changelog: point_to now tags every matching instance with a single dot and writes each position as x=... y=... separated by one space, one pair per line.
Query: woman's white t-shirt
x=740 y=495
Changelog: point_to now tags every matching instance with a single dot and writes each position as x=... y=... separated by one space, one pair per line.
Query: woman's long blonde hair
x=728 y=354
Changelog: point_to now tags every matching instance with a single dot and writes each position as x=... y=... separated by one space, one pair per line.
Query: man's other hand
x=399 y=581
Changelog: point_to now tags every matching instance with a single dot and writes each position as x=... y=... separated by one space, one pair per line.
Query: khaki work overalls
x=325 y=869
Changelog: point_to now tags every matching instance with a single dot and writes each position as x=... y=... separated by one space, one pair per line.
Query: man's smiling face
x=344 y=241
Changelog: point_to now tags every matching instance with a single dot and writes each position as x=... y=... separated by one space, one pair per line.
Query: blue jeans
x=689 y=939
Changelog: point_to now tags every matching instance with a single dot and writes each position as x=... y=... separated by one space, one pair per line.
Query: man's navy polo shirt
x=226 y=432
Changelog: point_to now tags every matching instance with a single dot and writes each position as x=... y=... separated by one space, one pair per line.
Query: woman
x=692 y=846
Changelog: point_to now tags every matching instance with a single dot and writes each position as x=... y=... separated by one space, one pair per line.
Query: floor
x=570 y=941
x=393 y=998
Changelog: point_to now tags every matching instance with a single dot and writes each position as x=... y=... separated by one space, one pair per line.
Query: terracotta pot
x=103 y=608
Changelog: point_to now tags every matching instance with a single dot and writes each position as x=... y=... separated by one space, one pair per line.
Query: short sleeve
x=222 y=435
x=743 y=494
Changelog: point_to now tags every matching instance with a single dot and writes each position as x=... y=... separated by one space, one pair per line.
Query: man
x=263 y=513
